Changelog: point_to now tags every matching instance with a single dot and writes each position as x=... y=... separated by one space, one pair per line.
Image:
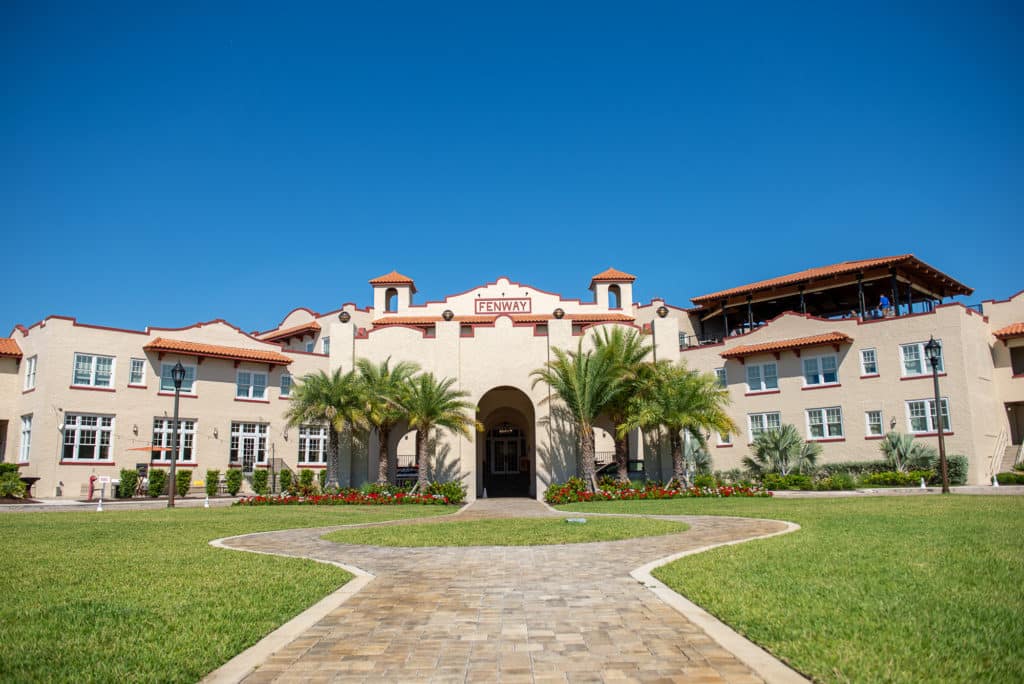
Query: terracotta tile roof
x=216 y=351
x=516 y=318
x=612 y=275
x=1010 y=331
x=599 y=317
x=294 y=331
x=783 y=345
x=9 y=348
x=393 y=278
x=843 y=268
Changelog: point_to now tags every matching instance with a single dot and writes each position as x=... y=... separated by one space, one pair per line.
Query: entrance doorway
x=1015 y=416
x=505 y=450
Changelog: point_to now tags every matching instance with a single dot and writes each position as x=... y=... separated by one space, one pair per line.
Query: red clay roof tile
x=612 y=275
x=1010 y=331
x=393 y=278
x=216 y=351
x=294 y=331
x=783 y=345
x=9 y=348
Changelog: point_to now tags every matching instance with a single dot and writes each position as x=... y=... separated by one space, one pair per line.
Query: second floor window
x=821 y=370
x=721 y=376
x=137 y=372
x=325 y=345
x=286 y=385
x=92 y=370
x=762 y=377
x=915 y=362
x=188 y=385
x=30 y=372
x=868 y=362
x=251 y=385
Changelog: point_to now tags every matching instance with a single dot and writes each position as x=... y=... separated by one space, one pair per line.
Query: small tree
x=286 y=481
x=212 y=482
x=431 y=403
x=157 y=482
x=903 y=452
x=184 y=481
x=782 y=451
x=233 y=480
x=129 y=481
x=382 y=387
x=259 y=482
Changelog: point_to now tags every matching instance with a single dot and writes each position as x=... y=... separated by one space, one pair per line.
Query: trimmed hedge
x=1010 y=478
x=212 y=482
x=233 y=480
x=129 y=483
x=157 y=482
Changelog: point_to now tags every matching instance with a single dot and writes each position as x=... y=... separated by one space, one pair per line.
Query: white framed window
x=188 y=385
x=825 y=423
x=325 y=345
x=286 y=385
x=724 y=438
x=312 y=444
x=921 y=416
x=251 y=385
x=163 y=438
x=821 y=370
x=868 y=362
x=762 y=377
x=763 y=422
x=26 y=439
x=137 y=372
x=915 y=362
x=873 y=421
x=723 y=379
x=248 y=444
x=309 y=346
x=30 y=372
x=88 y=437
x=93 y=370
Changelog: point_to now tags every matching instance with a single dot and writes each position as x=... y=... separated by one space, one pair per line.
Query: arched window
x=391 y=299
x=614 y=297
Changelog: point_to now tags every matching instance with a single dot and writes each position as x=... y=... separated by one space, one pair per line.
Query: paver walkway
x=567 y=613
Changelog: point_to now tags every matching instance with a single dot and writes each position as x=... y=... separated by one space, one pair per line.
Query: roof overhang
x=1010 y=332
x=835 y=339
x=310 y=328
x=163 y=345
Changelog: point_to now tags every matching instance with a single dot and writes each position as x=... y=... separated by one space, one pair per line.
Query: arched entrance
x=506 y=463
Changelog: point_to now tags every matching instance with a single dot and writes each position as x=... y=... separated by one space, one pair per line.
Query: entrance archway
x=506 y=462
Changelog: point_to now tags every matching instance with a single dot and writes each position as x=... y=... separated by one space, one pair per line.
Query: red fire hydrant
x=92 y=485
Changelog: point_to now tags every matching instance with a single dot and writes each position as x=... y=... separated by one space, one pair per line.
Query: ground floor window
x=763 y=422
x=26 y=439
x=248 y=444
x=825 y=423
x=874 y=421
x=921 y=416
x=163 y=438
x=312 y=444
x=88 y=437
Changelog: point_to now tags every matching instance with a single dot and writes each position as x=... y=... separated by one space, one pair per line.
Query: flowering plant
x=348 y=497
x=563 y=493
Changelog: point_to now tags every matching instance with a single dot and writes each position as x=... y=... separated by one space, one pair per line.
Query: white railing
x=997 y=455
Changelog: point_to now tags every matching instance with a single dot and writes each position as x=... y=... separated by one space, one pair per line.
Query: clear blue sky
x=163 y=164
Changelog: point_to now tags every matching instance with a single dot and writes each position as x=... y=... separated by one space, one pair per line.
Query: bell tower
x=392 y=293
x=613 y=289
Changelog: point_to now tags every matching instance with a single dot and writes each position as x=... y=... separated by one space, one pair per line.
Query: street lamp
x=933 y=351
x=177 y=376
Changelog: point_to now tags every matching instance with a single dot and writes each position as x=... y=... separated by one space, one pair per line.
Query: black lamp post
x=933 y=351
x=178 y=376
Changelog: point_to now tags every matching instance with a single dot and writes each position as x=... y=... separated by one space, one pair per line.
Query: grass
x=141 y=596
x=508 y=532
x=894 y=589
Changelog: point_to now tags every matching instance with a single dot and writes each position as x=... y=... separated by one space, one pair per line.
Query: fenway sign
x=502 y=306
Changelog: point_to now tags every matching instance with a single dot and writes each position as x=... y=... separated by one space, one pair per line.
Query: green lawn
x=893 y=589
x=141 y=596
x=508 y=532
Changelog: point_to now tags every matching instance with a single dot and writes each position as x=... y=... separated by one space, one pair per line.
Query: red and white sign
x=502 y=306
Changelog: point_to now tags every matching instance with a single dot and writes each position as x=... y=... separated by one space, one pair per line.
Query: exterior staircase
x=1010 y=456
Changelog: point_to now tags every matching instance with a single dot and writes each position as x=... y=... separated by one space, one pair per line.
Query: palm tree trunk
x=332 y=458
x=587 y=455
x=383 y=436
x=677 y=458
x=421 y=461
x=622 y=459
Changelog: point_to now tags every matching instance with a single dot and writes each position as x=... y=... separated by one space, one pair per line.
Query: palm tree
x=333 y=399
x=782 y=451
x=585 y=382
x=902 y=451
x=680 y=401
x=430 y=403
x=382 y=390
x=628 y=351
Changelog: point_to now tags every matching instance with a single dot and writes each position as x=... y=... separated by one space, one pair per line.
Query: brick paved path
x=568 y=613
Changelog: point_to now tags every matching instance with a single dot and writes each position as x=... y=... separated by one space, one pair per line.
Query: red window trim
x=28 y=391
x=94 y=389
x=876 y=436
x=287 y=398
x=754 y=394
x=931 y=434
x=919 y=377
x=190 y=464
x=311 y=466
x=253 y=401
x=88 y=463
x=817 y=387
x=136 y=386
x=827 y=439
x=870 y=375
x=723 y=446
x=164 y=393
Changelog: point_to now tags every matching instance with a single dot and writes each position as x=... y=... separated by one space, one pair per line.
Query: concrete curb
x=767 y=666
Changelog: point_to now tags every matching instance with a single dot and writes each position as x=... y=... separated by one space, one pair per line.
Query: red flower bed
x=346 y=498
x=573 y=492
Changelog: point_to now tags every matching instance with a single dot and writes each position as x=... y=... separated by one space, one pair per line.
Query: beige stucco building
x=807 y=349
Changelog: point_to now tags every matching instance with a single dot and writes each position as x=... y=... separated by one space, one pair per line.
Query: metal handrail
x=997 y=454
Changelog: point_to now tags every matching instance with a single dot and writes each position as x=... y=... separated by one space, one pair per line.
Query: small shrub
x=956 y=467
x=453 y=491
x=233 y=480
x=157 y=482
x=11 y=485
x=321 y=477
x=892 y=478
x=837 y=483
x=7 y=468
x=1010 y=478
x=854 y=468
x=1019 y=466
x=212 y=482
x=705 y=481
x=129 y=483
x=306 y=482
x=259 y=482
x=793 y=482
x=183 y=481
x=286 y=481
x=377 y=488
x=731 y=477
